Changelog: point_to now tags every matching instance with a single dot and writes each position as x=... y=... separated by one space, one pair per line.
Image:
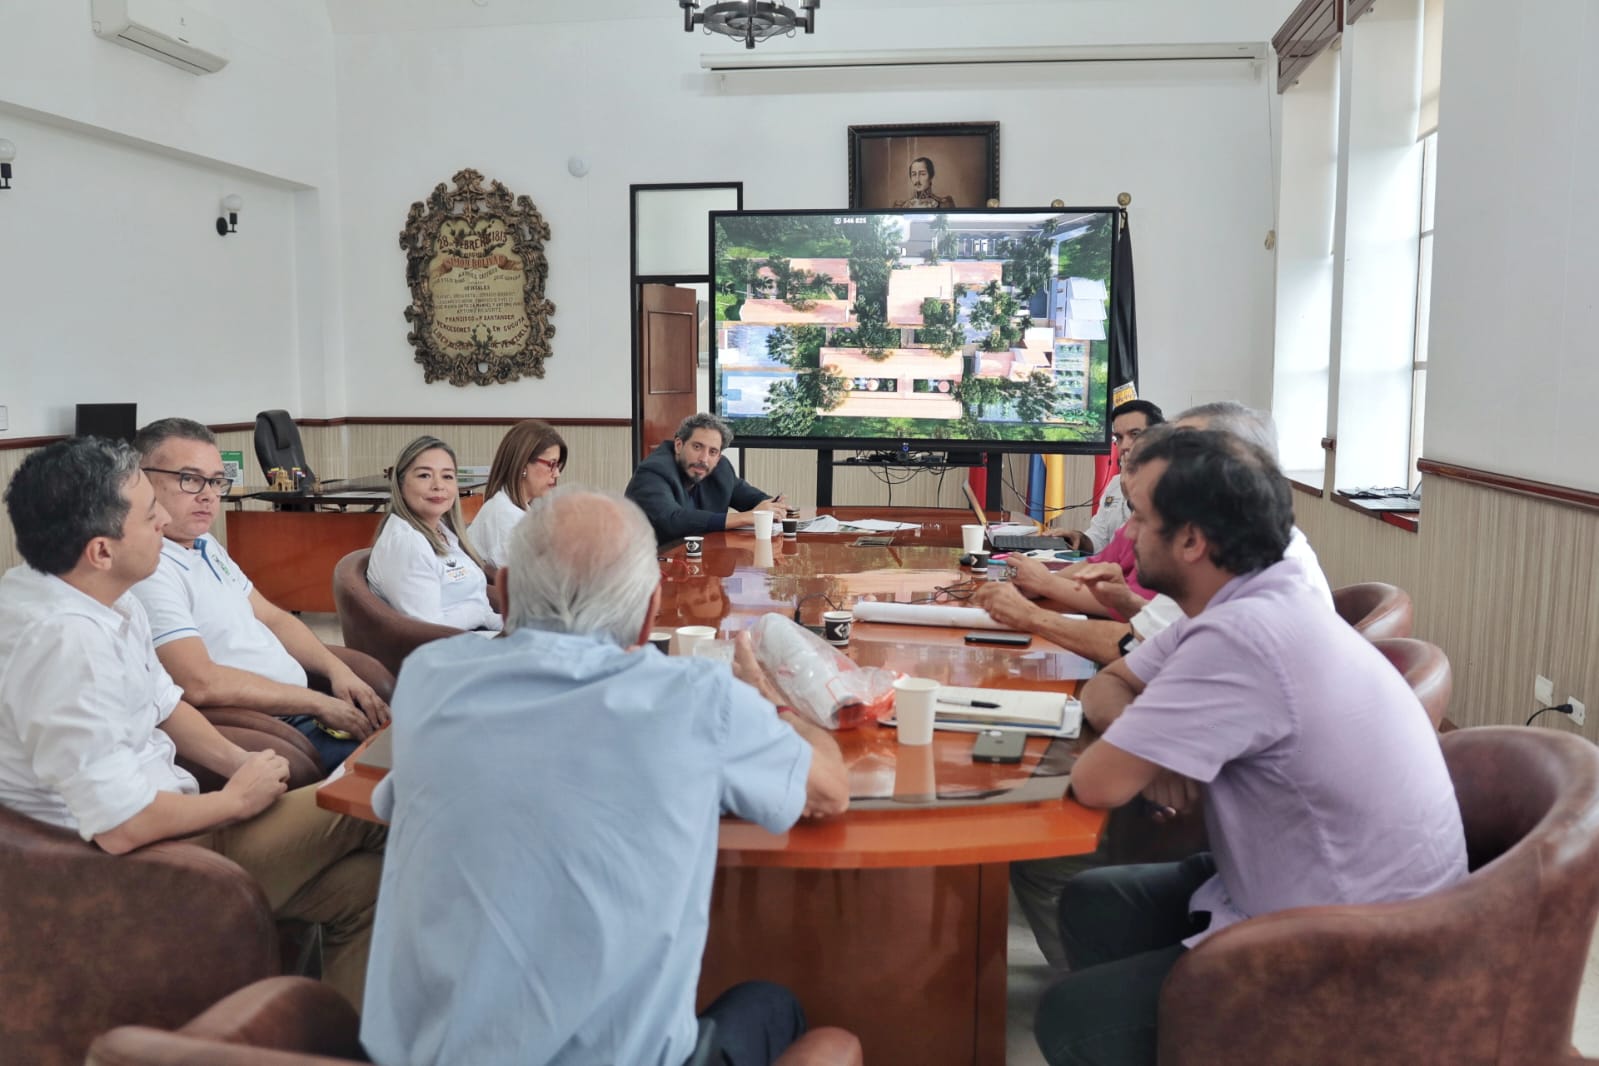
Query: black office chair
x=277 y=444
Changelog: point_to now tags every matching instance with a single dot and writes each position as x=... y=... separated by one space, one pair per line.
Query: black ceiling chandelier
x=750 y=20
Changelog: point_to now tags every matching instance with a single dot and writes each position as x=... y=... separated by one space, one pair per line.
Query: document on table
x=1012 y=529
x=828 y=524
x=1042 y=714
x=930 y=614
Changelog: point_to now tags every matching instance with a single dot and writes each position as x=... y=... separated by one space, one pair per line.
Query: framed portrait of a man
x=944 y=167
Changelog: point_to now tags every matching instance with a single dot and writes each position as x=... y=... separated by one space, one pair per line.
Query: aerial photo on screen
x=913 y=326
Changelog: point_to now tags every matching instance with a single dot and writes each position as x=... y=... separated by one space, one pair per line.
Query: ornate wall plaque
x=475 y=264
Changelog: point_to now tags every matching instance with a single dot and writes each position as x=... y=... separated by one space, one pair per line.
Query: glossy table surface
x=1025 y=815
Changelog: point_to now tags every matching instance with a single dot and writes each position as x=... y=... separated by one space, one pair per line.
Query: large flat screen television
x=914 y=330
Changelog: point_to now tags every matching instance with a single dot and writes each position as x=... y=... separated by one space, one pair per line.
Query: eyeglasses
x=193 y=483
x=555 y=465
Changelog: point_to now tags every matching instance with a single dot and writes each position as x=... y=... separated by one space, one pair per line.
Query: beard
x=693 y=473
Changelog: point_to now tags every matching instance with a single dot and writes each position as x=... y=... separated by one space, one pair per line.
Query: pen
x=969 y=703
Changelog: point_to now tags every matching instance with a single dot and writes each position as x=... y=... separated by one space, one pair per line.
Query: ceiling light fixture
x=750 y=20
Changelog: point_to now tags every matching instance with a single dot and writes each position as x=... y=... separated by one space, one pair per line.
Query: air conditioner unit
x=169 y=30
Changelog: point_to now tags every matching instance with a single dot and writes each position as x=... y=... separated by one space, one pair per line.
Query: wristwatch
x=1128 y=642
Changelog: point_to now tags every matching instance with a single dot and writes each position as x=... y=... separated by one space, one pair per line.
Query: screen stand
x=824 y=477
x=995 y=496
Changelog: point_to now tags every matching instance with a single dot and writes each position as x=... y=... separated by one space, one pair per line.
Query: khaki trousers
x=315 y=866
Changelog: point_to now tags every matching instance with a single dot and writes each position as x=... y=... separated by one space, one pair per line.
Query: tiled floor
x=1029 y=975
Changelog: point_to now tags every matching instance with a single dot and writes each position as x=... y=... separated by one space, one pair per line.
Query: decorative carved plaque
x=475 y=264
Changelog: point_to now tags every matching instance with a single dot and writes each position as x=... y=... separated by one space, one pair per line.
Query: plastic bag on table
x=816 y=679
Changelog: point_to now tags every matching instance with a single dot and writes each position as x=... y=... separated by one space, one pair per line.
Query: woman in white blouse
x=527 y=464
x=420 y=564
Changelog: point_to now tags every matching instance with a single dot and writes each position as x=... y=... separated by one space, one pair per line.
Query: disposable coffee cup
x=687 y=638
x=980 y=560
x=791 y=526
x=692 y=546
x=662 y=639
x=763 y=525
x=913 y=709
x=836 y=626
x=971 y=539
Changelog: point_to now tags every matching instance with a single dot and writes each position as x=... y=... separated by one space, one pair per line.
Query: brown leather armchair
x=1376 y=609
x=369 y=625
x=1486 y=972
x=1426 y=668
x=90 y=940
x=306 y=1023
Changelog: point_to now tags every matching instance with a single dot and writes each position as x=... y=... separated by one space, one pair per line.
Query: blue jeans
x=756 y=1021
x=331 y=750
x=1123 y=928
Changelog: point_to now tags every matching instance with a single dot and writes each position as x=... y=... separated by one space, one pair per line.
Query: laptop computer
x=1012 y=542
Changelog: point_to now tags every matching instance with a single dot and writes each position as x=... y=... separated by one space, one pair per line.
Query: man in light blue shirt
x=554 y=804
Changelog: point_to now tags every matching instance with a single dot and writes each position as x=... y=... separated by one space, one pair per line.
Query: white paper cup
x=686 y=638
x=913 y=708
x=763 y=525
x=971 y=539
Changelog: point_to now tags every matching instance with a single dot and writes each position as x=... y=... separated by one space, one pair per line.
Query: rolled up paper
x=929 y=614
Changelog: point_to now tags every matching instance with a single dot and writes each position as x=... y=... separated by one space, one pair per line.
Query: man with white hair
x=554 y=805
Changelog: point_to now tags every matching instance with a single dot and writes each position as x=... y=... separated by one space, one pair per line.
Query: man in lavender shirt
x=1322 y=778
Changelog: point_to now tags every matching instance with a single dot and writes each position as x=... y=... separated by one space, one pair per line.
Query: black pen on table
x=969 y=703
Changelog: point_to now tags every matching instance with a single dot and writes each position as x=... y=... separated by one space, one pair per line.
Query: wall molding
x=1507 y=483
x=15 y=443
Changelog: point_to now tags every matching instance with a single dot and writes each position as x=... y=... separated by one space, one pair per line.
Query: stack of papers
x=1045 y=714
x=828 y=524
x=929 y=614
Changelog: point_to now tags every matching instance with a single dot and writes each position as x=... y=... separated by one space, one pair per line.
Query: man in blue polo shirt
x=554 y=805
x=1322 y=778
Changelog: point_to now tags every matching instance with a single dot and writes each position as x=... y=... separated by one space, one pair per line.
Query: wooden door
x=668 y=360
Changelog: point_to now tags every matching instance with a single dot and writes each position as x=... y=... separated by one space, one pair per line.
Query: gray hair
x=157 y=433
x=1246 y=423
x=66 y=494
x=705 y=420
x=582 y=561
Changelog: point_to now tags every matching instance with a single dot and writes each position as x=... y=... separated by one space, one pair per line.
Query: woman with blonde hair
x=527 y=464
x=421 y=565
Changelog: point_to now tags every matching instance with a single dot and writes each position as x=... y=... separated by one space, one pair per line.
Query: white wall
x=514 y=89
x=1512 y=378
x=114 y=285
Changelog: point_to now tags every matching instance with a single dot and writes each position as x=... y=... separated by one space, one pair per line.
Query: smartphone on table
x=992 y=636
x=999 y=745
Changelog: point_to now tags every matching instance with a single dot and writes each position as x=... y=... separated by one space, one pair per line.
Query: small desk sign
x=233 y=467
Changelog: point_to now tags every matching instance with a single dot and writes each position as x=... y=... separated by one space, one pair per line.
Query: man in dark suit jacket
x=686 y=487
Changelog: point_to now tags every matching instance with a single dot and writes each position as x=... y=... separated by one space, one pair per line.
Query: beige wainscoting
x=1506 y=584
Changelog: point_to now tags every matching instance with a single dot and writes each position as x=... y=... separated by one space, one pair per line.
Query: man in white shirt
x=91 y=724
x=1128 y=421
x=219 y=638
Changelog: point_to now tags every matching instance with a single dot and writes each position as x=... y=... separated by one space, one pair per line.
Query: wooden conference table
x=890 y=920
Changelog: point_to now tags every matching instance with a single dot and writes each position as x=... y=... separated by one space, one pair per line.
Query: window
x=1418 y=366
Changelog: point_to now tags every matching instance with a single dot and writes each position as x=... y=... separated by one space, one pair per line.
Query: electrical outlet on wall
x=1579 y=713
x=1543 y=690
x=5 y=419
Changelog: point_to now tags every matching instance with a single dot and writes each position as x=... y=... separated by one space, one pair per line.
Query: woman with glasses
x=527 y=464
x=421 y=565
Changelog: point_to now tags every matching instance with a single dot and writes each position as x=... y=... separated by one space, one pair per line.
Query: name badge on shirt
x=454 y=572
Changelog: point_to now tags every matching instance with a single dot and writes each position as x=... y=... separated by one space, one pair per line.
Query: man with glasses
x=223 y=642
